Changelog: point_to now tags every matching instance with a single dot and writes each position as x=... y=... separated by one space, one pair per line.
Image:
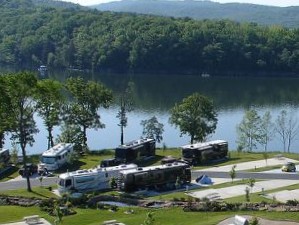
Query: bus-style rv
x=55 y=157
x=4 y=156
x=132 y=151
x=90 y=180
x=205 y=151
x=136 y=150
x=159 y=177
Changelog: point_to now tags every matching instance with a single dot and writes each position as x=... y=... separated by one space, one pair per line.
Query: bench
x=32 y=219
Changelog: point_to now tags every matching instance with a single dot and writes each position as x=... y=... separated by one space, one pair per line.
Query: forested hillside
x=240 y=12
x=60 y=38
x=57 y=4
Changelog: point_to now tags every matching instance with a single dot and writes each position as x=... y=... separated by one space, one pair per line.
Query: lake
x=155 y=95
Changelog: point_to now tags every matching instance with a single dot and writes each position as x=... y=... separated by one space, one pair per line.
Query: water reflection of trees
x=163 y=91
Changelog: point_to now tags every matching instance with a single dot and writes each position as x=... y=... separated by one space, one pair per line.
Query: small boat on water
x=43 y=70
x=205 y=75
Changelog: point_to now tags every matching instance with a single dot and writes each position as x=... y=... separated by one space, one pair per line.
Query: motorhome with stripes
x=91 y=179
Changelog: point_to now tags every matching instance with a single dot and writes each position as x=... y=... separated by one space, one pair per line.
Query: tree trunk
x=25 y=167
x=1 y=139
x=192 y=139
x=84 y=139
x=50 y=138
x=121 y=134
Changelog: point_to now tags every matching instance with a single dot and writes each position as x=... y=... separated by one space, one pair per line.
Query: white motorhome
x=55 y=157
x=91 y=179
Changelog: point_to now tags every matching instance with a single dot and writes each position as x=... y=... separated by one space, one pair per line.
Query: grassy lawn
x=169 y=216
x=38 y=192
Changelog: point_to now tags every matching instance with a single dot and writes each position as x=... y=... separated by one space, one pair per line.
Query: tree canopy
x=86 y=99
x=195 y=116
x=89 y=39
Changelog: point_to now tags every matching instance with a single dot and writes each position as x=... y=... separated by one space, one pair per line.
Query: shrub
x=293 y=202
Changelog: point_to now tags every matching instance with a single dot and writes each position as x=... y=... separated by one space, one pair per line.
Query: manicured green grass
x=87 y=161
x=38 y=192
x=168 y=216
x=16 y=213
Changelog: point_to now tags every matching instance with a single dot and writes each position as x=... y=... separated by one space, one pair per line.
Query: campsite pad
x=261 y=221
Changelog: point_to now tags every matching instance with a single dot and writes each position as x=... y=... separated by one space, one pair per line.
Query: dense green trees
x=249 y=130
x=153 y=129
x=89 y=39
x=255 y=130
x=195 y=116
x=49 y=102
x=21 y=88
x=86 y=99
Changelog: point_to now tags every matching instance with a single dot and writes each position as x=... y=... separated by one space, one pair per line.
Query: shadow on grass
x=39 y=194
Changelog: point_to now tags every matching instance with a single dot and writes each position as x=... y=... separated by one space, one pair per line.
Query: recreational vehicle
x=205 y=152
x=55 y=157
x=4 y=156
x=91 y=179
x=135 y=150
x=158 y=177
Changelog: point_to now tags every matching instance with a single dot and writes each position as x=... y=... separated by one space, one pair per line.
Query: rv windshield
x=48 y=160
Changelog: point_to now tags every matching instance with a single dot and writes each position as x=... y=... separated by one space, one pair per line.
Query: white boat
x=43 y=70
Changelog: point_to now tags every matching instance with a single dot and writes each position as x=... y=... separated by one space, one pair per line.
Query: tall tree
x=86 y=99
x=195 y=116
x=126 y=105
x=71 y=133
x=21 y=88
x=249 y=130
x=267 y=128
x=49 y=101
x=287 y=128
x=6 y=118
x=153 y=129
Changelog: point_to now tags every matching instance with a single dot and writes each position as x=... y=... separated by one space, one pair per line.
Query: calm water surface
x=156 y=94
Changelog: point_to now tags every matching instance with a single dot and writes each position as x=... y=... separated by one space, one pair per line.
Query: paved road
x=19 y=184
x=12 y=185
x=246 y=175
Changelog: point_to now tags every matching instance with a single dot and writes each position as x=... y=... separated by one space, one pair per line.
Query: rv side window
x=68 y=183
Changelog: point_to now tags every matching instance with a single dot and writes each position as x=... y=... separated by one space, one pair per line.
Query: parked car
x=31 y=169
x=110 y=162
x=289 y=167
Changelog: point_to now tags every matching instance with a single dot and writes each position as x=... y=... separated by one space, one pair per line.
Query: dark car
x=110 y=162
x=31 y=169
x=289 y=167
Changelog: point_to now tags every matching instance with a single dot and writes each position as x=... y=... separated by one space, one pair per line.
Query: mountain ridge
x=239 y=12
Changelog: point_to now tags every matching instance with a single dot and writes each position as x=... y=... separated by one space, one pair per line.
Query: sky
x=281 y=3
